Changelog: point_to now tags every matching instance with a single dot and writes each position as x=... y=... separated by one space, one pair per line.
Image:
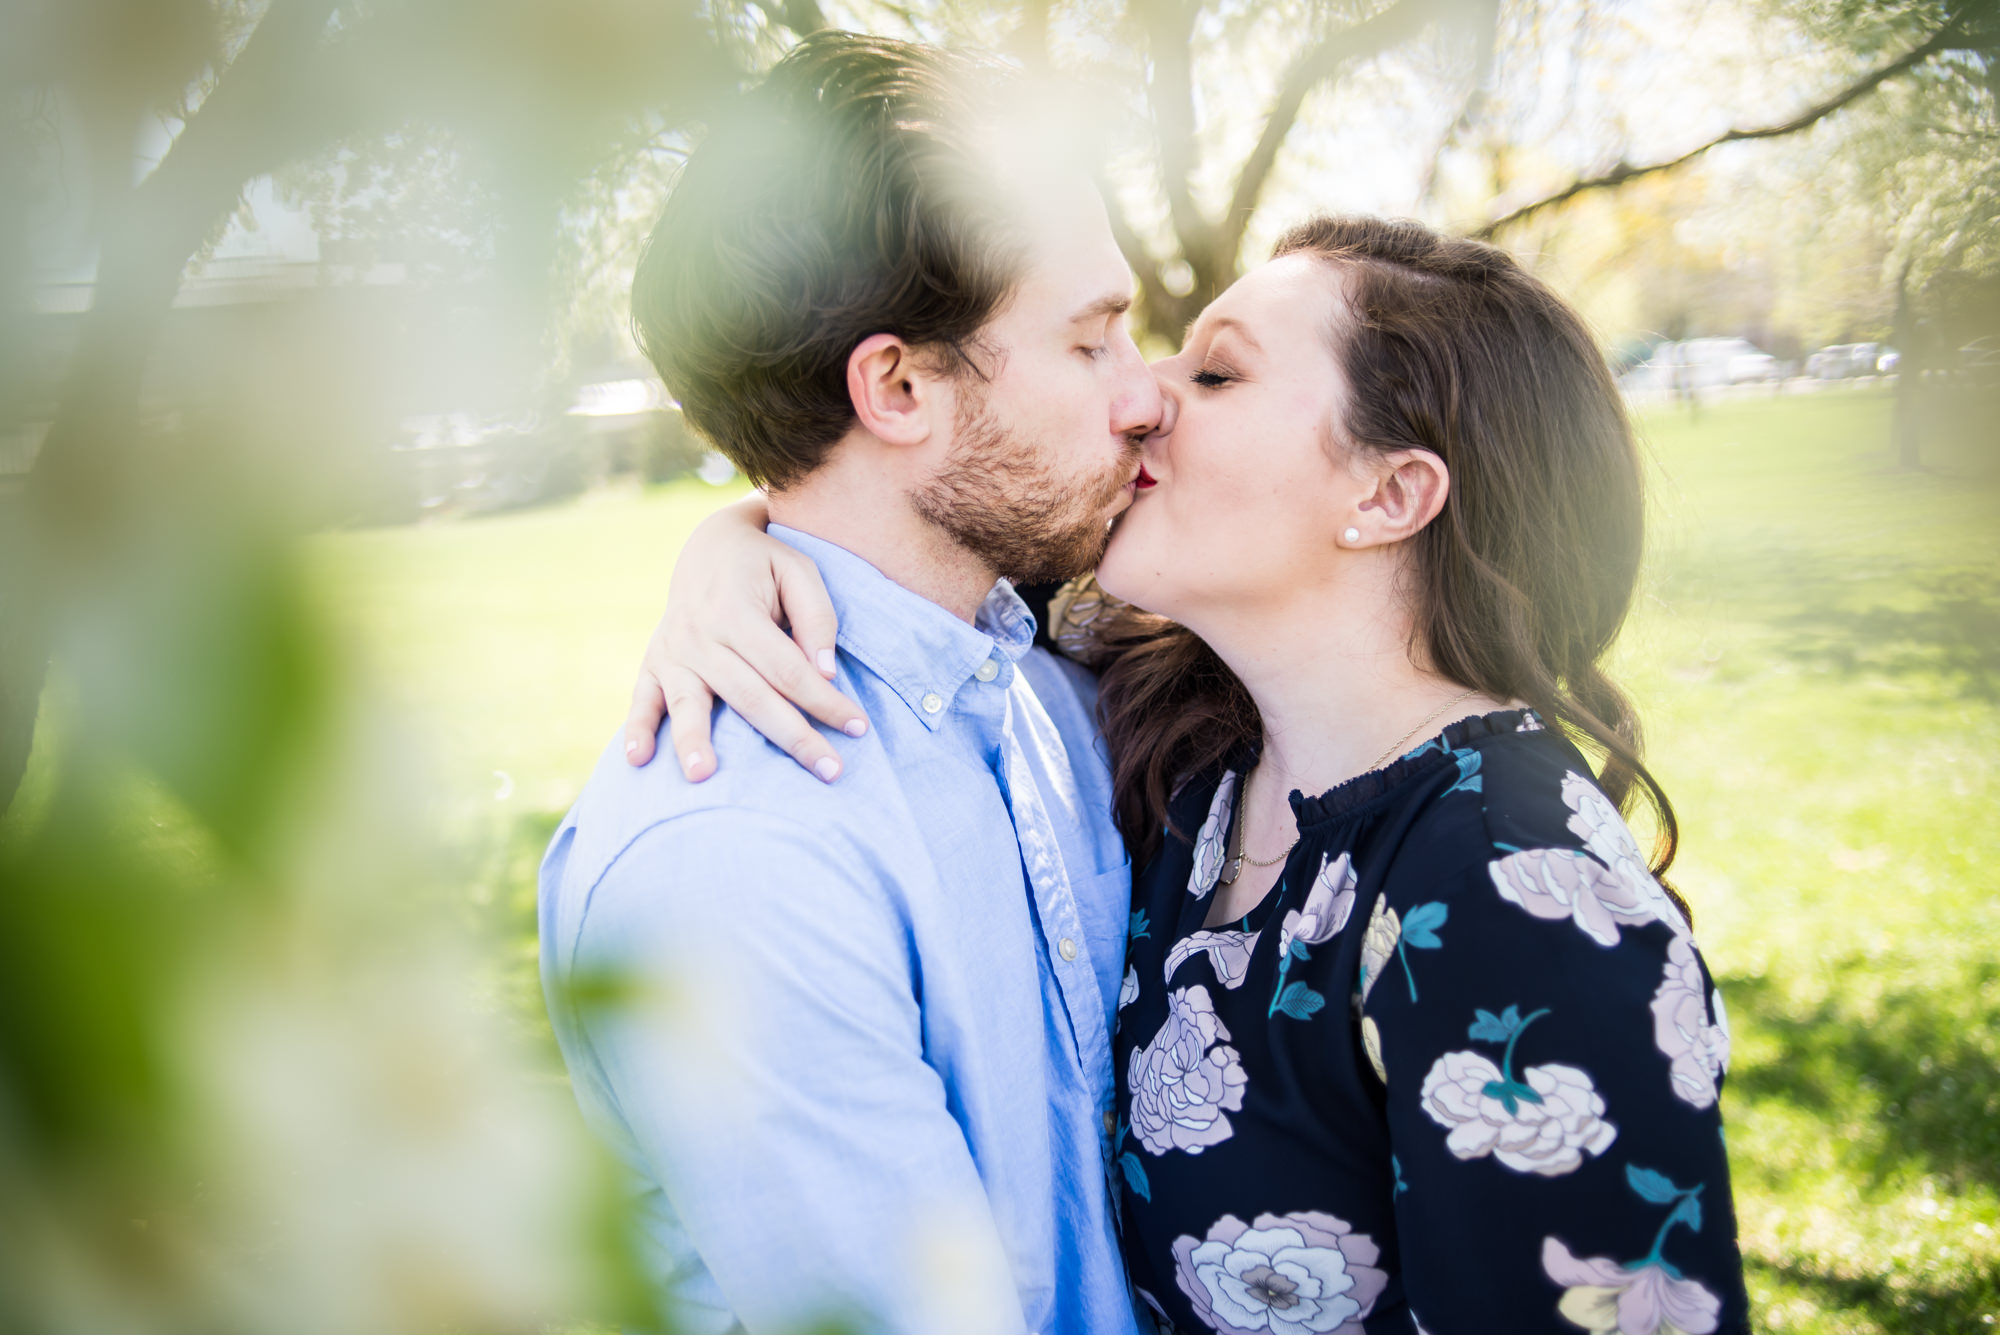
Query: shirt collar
x=923 y=652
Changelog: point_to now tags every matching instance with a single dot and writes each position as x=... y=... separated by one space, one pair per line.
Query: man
x=853 y=1040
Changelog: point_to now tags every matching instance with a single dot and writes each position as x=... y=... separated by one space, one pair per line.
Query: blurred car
x=1843 y=361
x=1979 y=363
x=1737 y=361
x=1701 y=363
x=479 y=463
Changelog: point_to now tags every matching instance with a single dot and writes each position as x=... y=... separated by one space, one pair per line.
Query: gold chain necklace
x=1242 y=824
x=1238 y=857
x=1395 y=747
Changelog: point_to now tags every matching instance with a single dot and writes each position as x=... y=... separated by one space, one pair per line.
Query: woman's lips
x=1145 y=480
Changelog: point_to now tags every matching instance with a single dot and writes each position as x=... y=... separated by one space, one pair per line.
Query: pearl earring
x=1352 y=535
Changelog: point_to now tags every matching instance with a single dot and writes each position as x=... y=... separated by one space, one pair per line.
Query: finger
x=689 y=707
x=775 y=657
x=772 y=715
x=809 y=611
x=642 y=720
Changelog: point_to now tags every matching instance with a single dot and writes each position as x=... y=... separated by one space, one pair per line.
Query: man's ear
x=1410 y=490
x=894 y=397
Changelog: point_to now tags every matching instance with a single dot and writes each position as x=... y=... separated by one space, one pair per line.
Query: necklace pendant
x=1232 y=871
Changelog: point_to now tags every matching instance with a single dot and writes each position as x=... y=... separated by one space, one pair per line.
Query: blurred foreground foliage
x=251 y=1075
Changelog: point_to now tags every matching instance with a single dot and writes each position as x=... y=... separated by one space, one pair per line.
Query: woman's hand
x=733 y=589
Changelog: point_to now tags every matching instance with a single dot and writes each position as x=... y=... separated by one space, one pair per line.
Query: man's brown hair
x=839 y=199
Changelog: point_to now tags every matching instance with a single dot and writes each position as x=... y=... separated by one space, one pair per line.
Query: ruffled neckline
x=1351 y=798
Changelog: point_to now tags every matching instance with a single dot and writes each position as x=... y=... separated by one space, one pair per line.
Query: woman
x=1412 y=1037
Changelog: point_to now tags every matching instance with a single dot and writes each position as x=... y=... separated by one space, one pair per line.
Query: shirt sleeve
x=1551 y=1050
x=759 y=1035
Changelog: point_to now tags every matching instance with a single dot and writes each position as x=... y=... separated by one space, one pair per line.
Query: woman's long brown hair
x=1520 y=584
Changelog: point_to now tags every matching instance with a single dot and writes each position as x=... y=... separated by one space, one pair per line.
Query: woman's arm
x=1551 y=1076
x=733 y=588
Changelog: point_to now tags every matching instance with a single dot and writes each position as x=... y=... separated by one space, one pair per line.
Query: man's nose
x=1137 y=409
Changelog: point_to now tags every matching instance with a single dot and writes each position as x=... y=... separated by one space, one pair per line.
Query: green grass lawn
x=1817 y=655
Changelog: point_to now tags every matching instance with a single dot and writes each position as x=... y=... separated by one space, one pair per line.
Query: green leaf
x=1299 y=1001
x=1140 y=927
x=1688 y=1212
x=1420 y=926
x=1299 y=950
x=1135 y=1175
x=1651 y=1186
x=1490 y=1028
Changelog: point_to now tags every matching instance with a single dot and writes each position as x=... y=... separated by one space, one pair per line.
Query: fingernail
x=631 y=749
x=825 y=661
x=855 y=727
x=692 y=762
x=827 y=768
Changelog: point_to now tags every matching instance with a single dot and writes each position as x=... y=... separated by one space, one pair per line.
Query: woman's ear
x=1410 y=490
x=894 y=398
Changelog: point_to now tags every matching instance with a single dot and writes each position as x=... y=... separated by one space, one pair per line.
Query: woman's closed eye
x=1210 y=379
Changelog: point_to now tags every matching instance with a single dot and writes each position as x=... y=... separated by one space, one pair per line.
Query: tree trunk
x=1906 y=422
x=235 y=134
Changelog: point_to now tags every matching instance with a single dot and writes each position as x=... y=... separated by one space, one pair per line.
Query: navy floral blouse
x=1456 y=1073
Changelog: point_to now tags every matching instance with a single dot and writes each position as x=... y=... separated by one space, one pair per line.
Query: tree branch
x=803 y=17
x=1391 y=27
x=234 y=135
x=1942 y=40
x=1169 y=26
x=1030 y=41
x=1153 y=295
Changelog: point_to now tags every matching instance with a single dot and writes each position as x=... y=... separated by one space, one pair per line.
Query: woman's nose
x=1168 y=386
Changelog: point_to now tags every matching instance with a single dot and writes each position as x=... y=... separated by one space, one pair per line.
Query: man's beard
x=996 y=499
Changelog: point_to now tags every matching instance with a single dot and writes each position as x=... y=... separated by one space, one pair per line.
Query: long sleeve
x=758 y=1035
x=1551 y=1049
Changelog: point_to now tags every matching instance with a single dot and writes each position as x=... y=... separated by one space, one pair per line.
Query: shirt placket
x=1057 y=917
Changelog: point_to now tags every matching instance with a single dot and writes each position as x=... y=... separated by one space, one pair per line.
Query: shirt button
x=1068 y=948
x=933 y=703
x=1110 y=1123
x=987 y=671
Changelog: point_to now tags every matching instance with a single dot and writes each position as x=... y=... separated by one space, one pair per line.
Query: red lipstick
x=1145 y=480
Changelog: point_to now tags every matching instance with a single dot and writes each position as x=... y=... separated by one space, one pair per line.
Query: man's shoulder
x=643 y=845
x=755 y=787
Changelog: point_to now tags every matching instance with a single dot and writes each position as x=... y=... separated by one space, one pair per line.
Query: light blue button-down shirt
x=857 y=1054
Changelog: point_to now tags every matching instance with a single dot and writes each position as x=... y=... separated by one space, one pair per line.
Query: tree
x=549 y=91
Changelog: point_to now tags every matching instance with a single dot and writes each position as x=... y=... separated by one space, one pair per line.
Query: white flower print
x=1530 y=722
x=1607 y=1298
x=1605 y=833
x=1183 y=1081
x=1599 y=892
x=1128 y=991
x=1557 y=883
x=1544 y=1123
x=1303 y=1273
x=1549 y=1135
x=1209 y=843
x=1698 y=1049
x=1378 y=944
x=1371 y=1043
x=1328 y=905
x=1228 y=954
